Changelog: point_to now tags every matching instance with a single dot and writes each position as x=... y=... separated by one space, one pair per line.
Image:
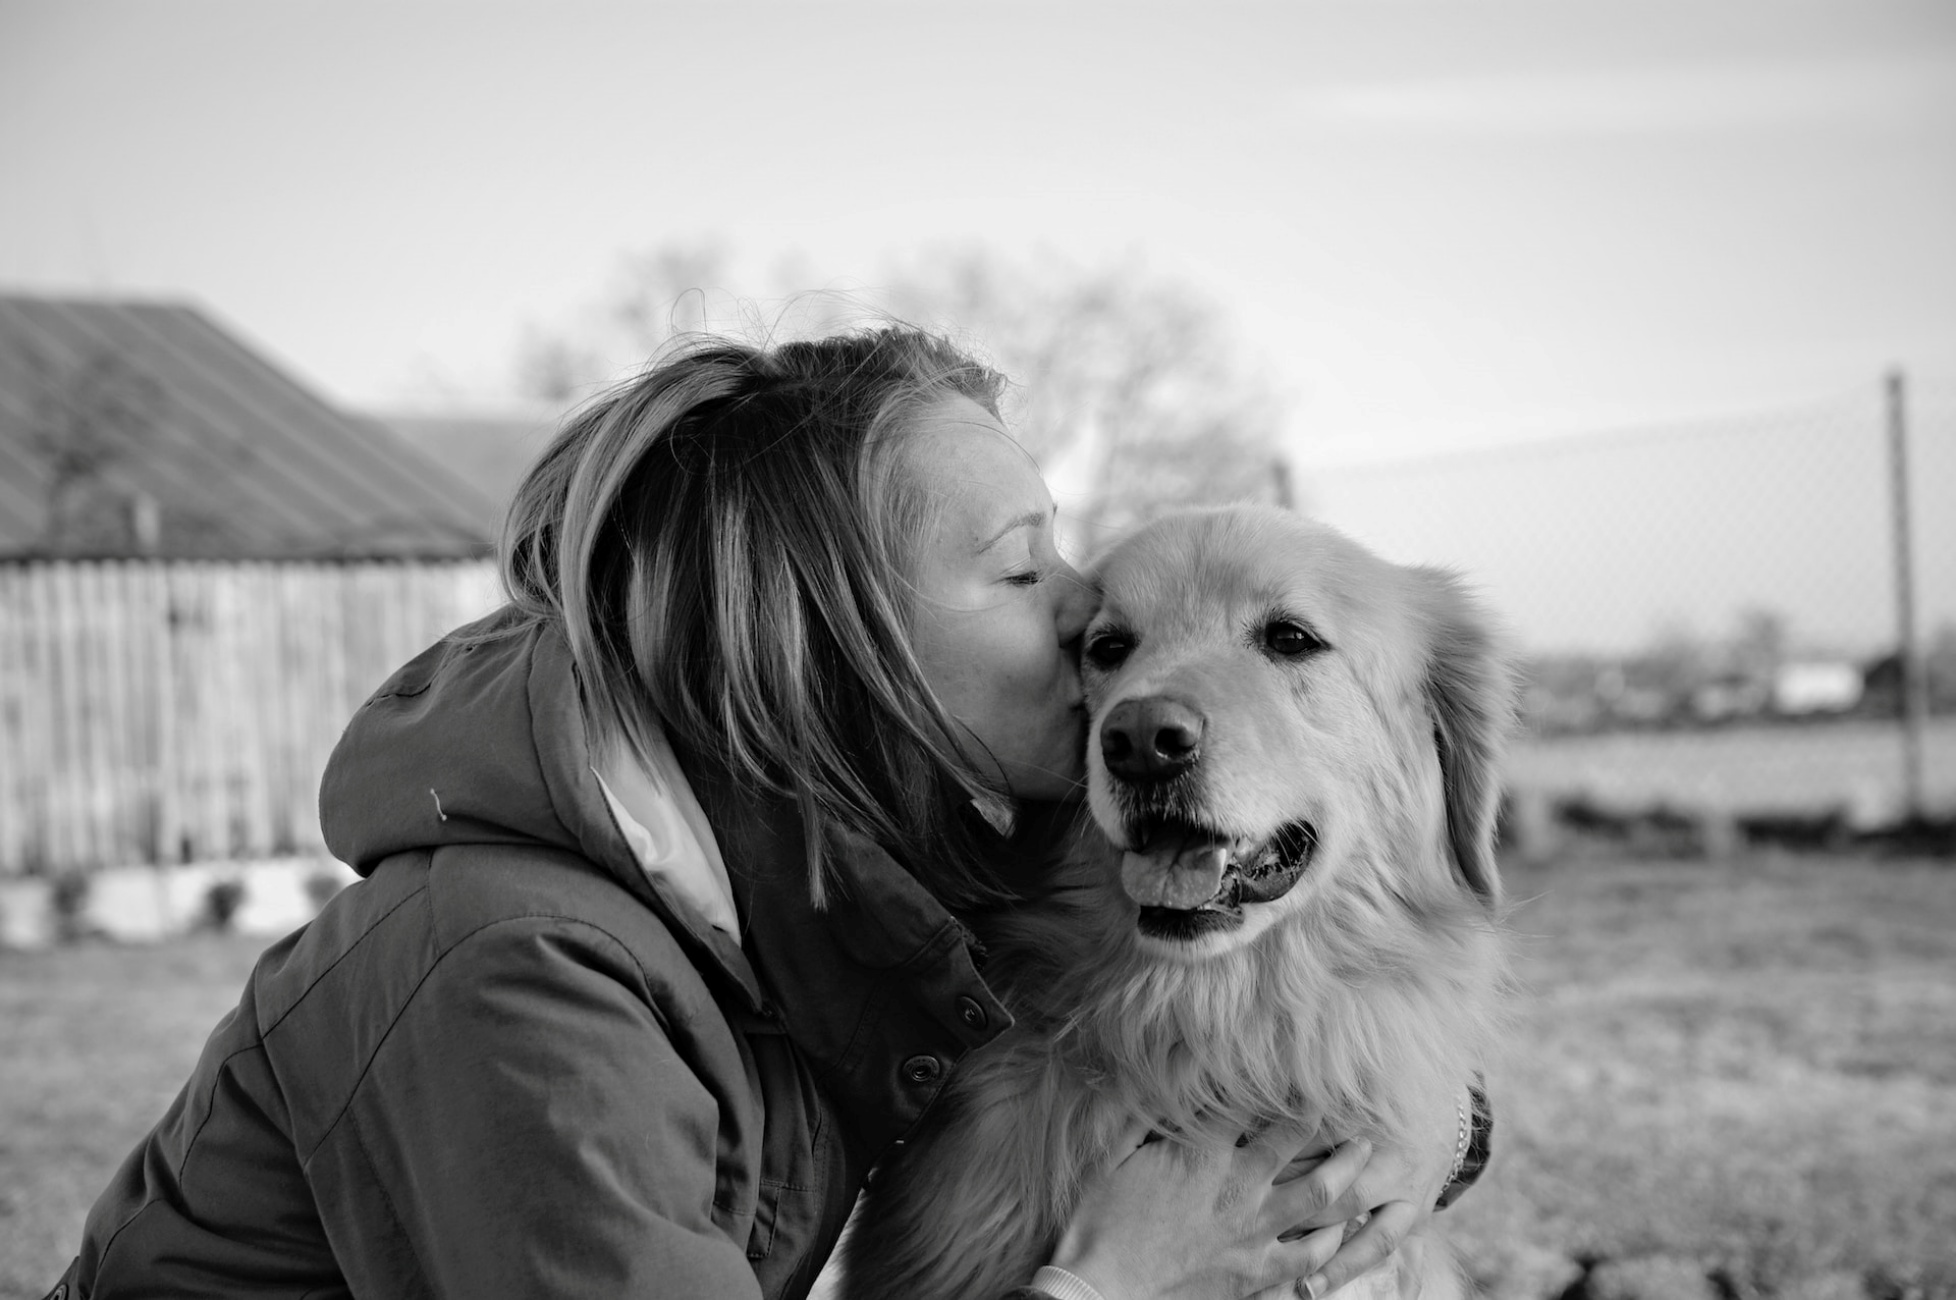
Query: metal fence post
x=1281 y=485
x=1914 y=682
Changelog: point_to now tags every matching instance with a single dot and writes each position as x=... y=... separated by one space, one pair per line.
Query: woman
x=658 y=948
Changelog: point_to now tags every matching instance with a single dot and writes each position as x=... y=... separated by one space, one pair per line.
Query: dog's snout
x=1151 y=739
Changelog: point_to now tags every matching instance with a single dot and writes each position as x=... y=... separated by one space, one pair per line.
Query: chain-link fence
x=1710 y=611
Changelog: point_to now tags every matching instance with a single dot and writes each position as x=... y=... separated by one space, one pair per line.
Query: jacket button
x=922 y=1069
x=971 y=1013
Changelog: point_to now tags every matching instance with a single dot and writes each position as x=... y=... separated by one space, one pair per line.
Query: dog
x=1286 y=902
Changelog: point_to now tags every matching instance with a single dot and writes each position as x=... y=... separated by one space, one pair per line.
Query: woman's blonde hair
x=728 y=543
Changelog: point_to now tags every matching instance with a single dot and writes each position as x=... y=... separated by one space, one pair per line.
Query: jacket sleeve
x=535 y=1128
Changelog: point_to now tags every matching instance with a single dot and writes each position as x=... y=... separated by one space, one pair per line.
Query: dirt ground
x=1750 y=1065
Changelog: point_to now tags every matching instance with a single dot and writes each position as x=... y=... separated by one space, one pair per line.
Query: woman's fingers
x=1307 y=1200
x=1367 y=1249
x=1226 y=1217
x=1397 y=1171
x=1387 y=1176
x=1303 y=1256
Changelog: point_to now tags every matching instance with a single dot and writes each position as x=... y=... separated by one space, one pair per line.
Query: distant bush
x=221 y=903
x=321 y=885
x=68 y=893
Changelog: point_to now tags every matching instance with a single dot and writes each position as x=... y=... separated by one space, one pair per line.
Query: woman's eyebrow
x=1030 y=519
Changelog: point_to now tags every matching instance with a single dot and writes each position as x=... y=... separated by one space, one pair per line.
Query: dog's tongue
x=1182 y=874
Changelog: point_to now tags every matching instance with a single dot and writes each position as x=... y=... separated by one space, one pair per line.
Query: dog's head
x=1274 y=710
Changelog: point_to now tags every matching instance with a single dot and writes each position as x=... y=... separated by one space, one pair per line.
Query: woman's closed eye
x=1027 y=577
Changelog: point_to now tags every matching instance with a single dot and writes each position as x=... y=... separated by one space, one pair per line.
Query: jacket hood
x=480 y=740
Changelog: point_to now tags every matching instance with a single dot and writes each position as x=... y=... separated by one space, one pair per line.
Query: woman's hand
x=1212 y=1222
x=1398 y=1187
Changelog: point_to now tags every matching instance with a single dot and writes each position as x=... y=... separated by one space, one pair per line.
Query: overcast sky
x=1443 y=223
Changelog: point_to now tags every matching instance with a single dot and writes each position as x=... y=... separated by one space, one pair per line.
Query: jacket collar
x=879 y=989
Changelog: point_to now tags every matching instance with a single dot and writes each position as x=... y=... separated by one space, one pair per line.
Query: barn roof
x=145 y=428
x=491 y=451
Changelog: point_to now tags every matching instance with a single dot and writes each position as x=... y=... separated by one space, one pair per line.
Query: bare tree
x=1760 y=640
x=1127 y=383
x=653 y=297
x=1130 y=378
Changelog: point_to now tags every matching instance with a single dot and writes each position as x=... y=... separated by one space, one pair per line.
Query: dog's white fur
x=1368 y=994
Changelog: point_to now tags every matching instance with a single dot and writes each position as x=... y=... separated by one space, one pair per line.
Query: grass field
x=1750 y=1066
x=97 y=1041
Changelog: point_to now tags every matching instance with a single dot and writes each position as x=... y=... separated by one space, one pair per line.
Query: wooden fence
x=157 y=712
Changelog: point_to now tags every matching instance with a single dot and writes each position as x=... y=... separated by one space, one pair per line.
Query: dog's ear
x=1470 y=688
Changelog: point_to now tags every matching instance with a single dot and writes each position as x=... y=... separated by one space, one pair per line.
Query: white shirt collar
x=667 y=830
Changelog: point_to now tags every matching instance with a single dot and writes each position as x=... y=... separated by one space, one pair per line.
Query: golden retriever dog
x=1286 y=906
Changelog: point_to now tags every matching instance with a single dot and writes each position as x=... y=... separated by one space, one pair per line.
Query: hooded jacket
x=512 y=1062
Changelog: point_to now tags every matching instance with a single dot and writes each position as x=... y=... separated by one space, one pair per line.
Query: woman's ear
x=1470 y=689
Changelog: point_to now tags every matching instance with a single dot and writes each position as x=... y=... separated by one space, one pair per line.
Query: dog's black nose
x=1151 y=739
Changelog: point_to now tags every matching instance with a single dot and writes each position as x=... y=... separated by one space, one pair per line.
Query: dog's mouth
x=1191 y=880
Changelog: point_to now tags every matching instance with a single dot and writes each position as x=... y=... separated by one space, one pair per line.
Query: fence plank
x=167 y=775
x=256 y=685
x=118 y=726
x=71 y=826
x=13 y=718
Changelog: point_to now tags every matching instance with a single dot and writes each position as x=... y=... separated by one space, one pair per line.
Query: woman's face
x=1000 y=614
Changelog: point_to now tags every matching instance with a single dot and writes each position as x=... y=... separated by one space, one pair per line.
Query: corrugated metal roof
x=226 y=455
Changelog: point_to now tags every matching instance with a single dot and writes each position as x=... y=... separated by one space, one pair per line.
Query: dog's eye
x=1282 y=637
x=1108 y=649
